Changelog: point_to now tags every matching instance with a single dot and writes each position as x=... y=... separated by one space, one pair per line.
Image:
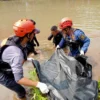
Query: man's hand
x=30 y=59
x=58 y=47
x=27 y=82
x=81 y=52
x=43 y=87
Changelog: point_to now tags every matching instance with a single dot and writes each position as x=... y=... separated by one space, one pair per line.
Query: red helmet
x=65 y=22
x=23 y=27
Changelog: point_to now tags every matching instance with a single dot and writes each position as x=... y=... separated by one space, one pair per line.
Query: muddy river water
x=84 y=13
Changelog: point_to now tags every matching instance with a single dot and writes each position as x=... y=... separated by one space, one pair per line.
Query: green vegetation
x=99 y=89
x=35 y=92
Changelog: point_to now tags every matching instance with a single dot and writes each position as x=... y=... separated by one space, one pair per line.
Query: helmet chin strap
x=28 y=37
x=68 y=30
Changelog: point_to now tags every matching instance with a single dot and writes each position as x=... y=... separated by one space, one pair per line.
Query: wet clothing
x=12 y=56
x=56 y=39
x=80 y=42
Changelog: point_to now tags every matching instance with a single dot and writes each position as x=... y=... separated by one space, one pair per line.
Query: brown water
x=84 y=13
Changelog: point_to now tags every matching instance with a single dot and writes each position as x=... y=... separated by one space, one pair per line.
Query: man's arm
x=62 y=43
x=85 y=40
x=50 y=37
x=27 y=82
x=35 y=39
x=14 y=56
x=20 y=79
x=85 y=45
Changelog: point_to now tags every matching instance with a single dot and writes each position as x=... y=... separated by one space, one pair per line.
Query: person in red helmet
x=74 y=38
x=12 y=57
x=65 y=22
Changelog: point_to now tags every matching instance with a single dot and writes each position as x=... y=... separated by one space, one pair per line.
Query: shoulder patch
x=82 y=37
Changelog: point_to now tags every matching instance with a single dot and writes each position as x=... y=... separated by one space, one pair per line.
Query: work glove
x=30 y=59
x=81 y=52
x=58 y=47
x=43 y=87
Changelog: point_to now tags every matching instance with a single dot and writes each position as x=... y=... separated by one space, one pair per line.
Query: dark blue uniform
x=79 y=37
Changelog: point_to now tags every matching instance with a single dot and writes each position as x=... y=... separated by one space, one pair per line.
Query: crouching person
x=12 y=57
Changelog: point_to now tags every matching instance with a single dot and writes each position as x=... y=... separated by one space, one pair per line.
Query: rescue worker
x=56 y=35
x=74 y=38
x=37 y=31
x=34 y=42
x=12 y=57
